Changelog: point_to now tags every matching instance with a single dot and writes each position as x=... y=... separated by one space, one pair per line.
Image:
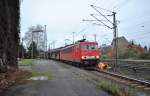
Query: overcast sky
x=63 y=17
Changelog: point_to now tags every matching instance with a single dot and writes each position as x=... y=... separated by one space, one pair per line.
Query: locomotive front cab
x=89 y=53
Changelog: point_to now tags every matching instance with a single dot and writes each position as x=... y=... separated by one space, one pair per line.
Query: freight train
x=82 y=53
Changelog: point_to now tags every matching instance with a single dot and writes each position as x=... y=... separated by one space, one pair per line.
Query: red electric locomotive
x=82 y=53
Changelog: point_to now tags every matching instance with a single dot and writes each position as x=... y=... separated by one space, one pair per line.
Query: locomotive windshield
x=89 y=46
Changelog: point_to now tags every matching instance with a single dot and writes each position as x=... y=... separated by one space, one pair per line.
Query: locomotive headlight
x=83 y=57
x=97 y=56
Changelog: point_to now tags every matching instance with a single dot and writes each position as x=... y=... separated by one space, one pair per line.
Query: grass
x=44 y=73
x=111 y=88
x=66 y=66
x=148 y=78
x=25 y=61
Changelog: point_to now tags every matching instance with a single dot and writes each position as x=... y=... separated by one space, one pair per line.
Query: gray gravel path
x=64 y=82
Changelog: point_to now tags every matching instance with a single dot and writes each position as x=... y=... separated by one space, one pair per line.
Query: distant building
x=124 y=49
x=138 y=48
x=122 y=45
x=106 y=51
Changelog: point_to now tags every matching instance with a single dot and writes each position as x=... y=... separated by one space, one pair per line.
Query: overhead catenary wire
x=76 y=33
x=95 y=2
x=141 y=35
x=115 y=34
x=135 y=18
x=101 y=21
x=139 y=25
x=136 y=35
x=100 y=13
x=121 y=5
x=103 y=9
x=92 y=20
x=81 y=31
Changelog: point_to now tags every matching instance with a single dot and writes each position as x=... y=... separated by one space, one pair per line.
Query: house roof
x=120 y=39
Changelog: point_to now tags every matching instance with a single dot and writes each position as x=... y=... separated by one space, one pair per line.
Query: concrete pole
x=95 y=37
x=45 y=43
x=73 y=36
x=115 y=40
x=32 y=46
x=22 y=49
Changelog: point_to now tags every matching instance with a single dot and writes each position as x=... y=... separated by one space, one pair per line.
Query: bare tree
x=38 y=37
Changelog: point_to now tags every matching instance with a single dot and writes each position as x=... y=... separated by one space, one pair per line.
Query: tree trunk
x=9 y=34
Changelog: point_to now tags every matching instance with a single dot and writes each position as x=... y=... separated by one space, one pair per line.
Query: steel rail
x=126 y=60
x=147 y=84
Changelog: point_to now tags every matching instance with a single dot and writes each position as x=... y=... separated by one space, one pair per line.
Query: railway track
x=124 y=79
x=121 y=78
x=131 y=64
